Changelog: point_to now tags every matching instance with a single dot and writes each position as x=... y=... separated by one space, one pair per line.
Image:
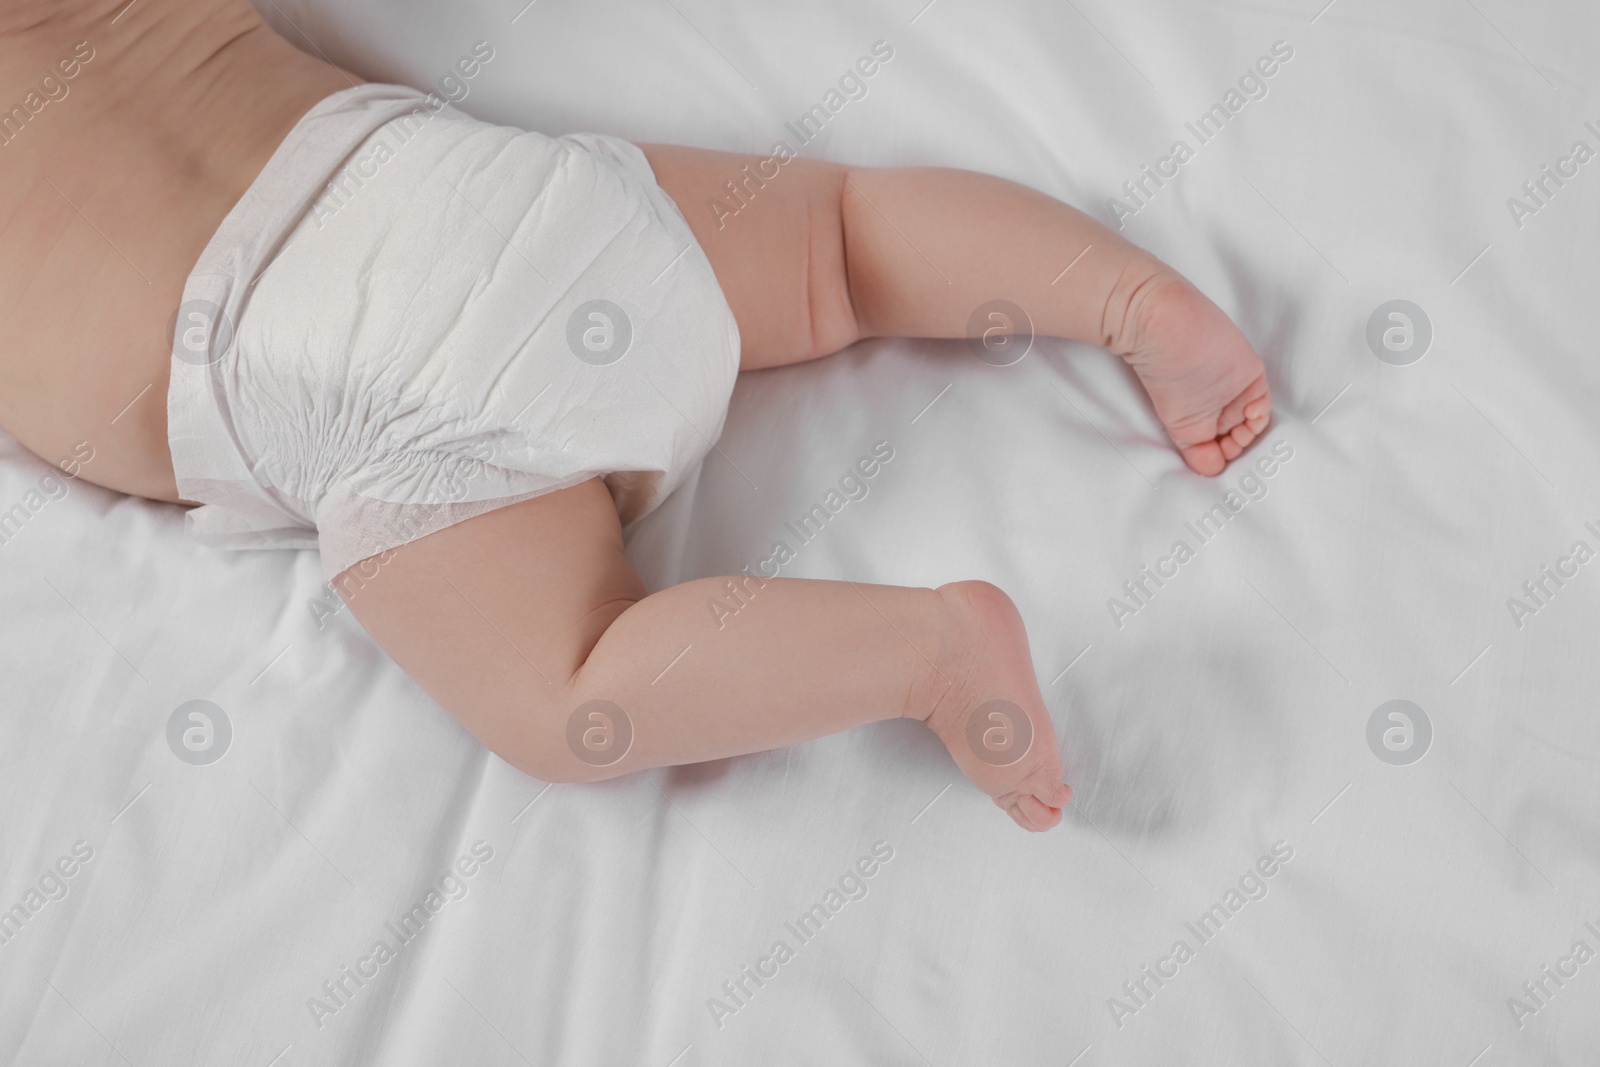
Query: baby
x=458 y=358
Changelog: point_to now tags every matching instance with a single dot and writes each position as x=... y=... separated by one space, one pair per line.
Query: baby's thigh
x=775 y=241
x=492 y=616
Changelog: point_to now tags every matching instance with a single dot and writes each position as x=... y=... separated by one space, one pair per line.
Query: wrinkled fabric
x=413 y=317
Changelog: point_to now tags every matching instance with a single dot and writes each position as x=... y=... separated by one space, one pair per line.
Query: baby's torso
x=110 y=188
x=93 y=266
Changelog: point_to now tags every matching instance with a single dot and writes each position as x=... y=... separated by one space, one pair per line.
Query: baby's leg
x=915 y=252
x=520 y=620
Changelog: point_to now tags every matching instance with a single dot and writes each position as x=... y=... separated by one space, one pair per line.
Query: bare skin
x=108 y=196
x=518 y=620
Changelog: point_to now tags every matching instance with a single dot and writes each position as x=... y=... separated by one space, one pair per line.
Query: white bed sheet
x=1226 y=716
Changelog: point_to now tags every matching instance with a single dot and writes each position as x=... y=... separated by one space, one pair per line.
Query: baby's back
x=122 y=147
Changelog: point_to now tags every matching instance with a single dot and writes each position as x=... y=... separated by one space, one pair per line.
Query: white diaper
x=412 y=318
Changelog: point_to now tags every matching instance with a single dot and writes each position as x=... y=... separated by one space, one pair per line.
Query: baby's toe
x=1237 y=426
x=1031 y=814
x=1204 y=458
x=1253 y=404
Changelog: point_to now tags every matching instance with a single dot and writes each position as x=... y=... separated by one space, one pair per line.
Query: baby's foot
x=987 y=709
x=1208 y=387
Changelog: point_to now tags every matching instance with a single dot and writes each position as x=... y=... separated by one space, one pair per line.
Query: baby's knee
x=563 y=738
